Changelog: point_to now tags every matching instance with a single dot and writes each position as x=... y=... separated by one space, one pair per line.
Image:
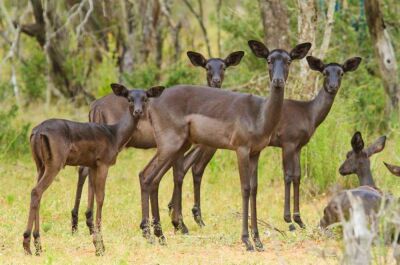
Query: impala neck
x=365 y=178
x=272 y=109
x=320 y=106
x=124 y=129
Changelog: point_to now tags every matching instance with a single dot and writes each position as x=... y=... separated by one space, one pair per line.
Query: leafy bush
x=33 y=75
x=13 y=137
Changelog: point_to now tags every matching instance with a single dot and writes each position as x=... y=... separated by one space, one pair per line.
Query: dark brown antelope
x=56 y=143
x=111 y=108
x=357 y=162
x=220 y=119
x=297 y=125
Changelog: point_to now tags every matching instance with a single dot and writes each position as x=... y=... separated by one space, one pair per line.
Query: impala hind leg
x=90 y=205
x=44 y=181
x=83 y=172
x=189 y=160
x=197 y=171
x=177 y=217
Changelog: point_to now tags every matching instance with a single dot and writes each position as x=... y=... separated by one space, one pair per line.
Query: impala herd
x=187 y=124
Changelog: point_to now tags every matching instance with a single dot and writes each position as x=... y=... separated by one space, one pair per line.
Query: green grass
x=217 y=243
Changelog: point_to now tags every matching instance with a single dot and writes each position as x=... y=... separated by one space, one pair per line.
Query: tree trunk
x=126 y=38
x=275 y=22
x=307 y=28
x=384 y=53
x=200 y=18
x=54 y=41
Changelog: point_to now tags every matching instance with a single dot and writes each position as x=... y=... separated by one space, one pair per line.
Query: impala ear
x=154 y=91
x=258 y=48
x=197 y=59
x=351 y=64
x=377 y=146
x=234 y=58
x=315 y=64
x=300 y=51
x=119 y=90
x=357 y=142
x=395 y=170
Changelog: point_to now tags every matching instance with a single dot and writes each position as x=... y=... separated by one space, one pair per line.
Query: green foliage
x=33 y=74
x=142 y=77
x=182 y=73
x=13 y=137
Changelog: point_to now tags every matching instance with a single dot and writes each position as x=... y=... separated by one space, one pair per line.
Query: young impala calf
x=110 y=109
x=56 y=143
x=298 y=122
x=357 y=162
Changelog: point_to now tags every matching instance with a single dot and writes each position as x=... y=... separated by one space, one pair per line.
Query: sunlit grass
x=217 y=243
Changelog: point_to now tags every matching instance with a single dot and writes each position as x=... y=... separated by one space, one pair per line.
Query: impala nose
x=279 y=82
x=138 y=112
x=216 y=82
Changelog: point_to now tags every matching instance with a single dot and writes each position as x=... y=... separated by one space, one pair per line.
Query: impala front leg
x=83 y=172
x=100 y=176
x=296 y=190
x=253 y=201
x=243 y=157
x=288 y=153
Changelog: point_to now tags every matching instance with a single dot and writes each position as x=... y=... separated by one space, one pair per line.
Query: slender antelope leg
x=190 y=159
x=197 y=172
x=44 y=182
x=253 y=201
x=296 y=190
x=288 y=153
x=83 y=172
x=177 y=218
x=244 y=170
x=90 y=204
x=99 y=180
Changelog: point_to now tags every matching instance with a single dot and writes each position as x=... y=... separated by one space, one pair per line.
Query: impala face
x=215 y=67
x=279 y=60
x=137 y=98
x=333 y=72
x=357 y=160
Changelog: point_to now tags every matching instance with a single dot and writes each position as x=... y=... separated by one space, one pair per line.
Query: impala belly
x=200 y=127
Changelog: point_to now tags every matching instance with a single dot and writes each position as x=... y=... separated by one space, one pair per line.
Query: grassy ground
x=217 y=243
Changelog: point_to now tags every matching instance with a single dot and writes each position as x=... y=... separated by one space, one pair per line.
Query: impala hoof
x=27 y=249
x=259 y=246
x=162 y=240
x=247 y=243
x=297 y=219
x=197 y=216
x=26 y=243
x=292 y=227
x=99 y=245
x=74 y=221
x=180 y=226
x=38 y=246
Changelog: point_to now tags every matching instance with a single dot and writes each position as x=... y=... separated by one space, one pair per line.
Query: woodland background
x=58 y=56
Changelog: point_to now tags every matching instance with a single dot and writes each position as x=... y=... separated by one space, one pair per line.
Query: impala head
x=333 y=72
x=137 y=98
x=279 y=60
x=215 y=67
x=395 y=170
x=357 y=160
